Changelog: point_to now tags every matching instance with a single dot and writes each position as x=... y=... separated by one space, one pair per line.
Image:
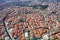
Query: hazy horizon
x=26 y=0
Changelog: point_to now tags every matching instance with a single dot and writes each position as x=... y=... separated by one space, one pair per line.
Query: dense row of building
x=27 y=23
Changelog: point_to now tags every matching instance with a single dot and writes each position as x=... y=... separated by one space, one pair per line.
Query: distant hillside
x=7 y=1
x=6 y=5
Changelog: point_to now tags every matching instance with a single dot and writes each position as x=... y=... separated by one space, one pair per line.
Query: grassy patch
x=39 y=6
